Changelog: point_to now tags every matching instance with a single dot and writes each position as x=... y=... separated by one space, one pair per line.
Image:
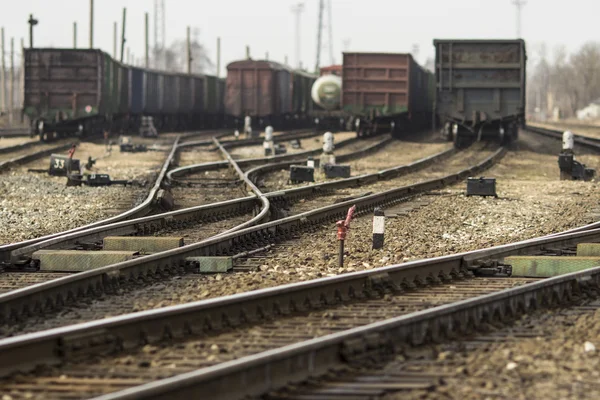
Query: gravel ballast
x=37 y=204
x=532 y=202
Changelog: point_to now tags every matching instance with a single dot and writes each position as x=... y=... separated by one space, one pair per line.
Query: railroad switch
x=301 y=173
x=94 y=180
x=61 y=165
x=569 y=168
x=481 y=187
x=336 y=171
x=147 y=128
x=280 y=149
x=491 y=268
x=127 y=146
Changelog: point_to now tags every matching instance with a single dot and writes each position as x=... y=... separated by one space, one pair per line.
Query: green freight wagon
x=480 y=88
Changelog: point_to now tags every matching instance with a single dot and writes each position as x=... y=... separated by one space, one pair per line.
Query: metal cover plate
x=549 y=266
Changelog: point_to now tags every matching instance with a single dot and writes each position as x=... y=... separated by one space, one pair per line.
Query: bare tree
x=175 y=56
x=569 y=82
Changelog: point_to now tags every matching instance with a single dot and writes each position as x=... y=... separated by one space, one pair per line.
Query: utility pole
x=115 y=40
x=3 y=76
x=247 y=52
x=519 y=5
x=11 y=93
x=147 y=45
x=74 y=35
x=123 y=33
x=159 y=34
x=297 y=10
x=330 y=31
x=320 y=27
x=189 y=51
x=218 y=56
x=21 y=89
x=319 y=34
x=91 y=24
x=32 y=22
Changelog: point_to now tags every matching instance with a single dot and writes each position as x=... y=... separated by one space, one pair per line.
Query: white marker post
x=268 y=142
x=378 y=228
x=327 y=157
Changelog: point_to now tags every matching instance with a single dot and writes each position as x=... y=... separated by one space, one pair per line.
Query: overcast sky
x=268 y=25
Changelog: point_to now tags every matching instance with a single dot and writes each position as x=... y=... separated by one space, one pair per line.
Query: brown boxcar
x=386 y=91
x=260 y=89
x=331 y=70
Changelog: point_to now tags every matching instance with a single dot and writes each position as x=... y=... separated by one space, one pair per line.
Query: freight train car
x=269 y=92
x=326 y=94
x=480 y=88
x=80 y=92
x=386 y=92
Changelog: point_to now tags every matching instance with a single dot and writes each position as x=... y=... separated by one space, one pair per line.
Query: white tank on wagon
x=326 y=92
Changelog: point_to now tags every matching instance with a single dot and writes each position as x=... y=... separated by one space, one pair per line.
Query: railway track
x=232 y=243
x=140 y=210
x=14 y=132
x=478 y=364
x=587 y=141
x=20 y=154
x=328 y=321
x=215 y=187
x=382 y=285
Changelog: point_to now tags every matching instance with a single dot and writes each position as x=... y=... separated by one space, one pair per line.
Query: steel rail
x=244 y=162
x=15 y=132
x=50 y=347
x=17 y=147
x=261 y=373
x=140 y=210
x=260 y=170
x=232 y=143
x=593 y=143
x=4 y=165
x=151 y=224
x=265 y=204
x=141 y=225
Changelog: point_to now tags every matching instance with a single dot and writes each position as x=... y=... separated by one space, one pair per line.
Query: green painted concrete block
x=79 y=260
x=588 y=249
x=549 y=266
x=144 y=244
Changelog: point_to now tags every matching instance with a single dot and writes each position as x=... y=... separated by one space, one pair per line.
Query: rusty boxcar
x=480 y=88
x=386 y=91
x=269 y=92
x=78 y=92
x=257 y=89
